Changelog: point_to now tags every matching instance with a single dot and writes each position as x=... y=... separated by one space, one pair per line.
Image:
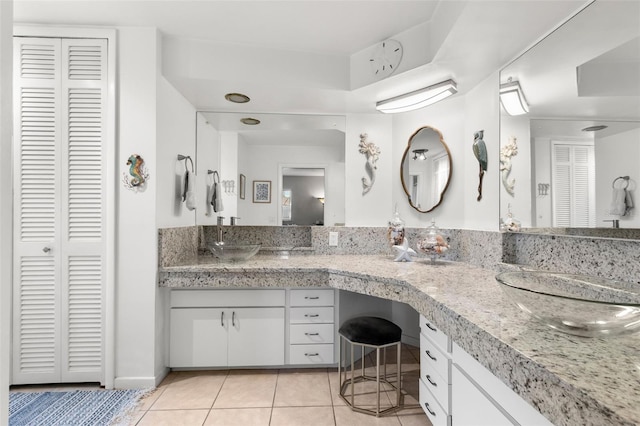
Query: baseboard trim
x=410 y=340
x=135 y=382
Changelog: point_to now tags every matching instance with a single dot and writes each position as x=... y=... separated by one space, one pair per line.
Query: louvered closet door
x=573 y=190
x=59 y=243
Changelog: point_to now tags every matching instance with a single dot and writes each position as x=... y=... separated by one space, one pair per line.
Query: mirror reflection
x=300 y=158
x=582 y=130
x=426 y=169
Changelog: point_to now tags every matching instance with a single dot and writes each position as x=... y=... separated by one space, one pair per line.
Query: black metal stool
x=376 y=333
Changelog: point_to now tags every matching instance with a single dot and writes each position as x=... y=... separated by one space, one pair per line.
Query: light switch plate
x=333 y=239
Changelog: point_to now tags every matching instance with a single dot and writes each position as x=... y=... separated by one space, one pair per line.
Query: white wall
x=176 y=129
x=617 y=156
x=229 y=172
x=373 y=208
x=6 y=198
x=136 y=246
x=208 y=157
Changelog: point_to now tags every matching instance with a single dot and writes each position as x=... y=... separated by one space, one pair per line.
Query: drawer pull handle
x=312 y=315
x=431 y=356
x=426 y=405
x=312 y=297
x=222 y=318
x=313 y=354
x=431 y=381
x=233 y=318
x=311 y=334
x=430 y=327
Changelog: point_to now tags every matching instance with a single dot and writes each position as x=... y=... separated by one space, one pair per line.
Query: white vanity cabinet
x=219 y=328
x=456 y=390
x=435 y=373
x=312 y=322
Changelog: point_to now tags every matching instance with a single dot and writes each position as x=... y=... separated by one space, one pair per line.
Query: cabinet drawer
x=311 y=354
x=311 y=333
x=432 y=359
x=311 y=297
x=430 y=406
x=437 y=384
x=311 y=315
x=435 y=334
x=224 y=298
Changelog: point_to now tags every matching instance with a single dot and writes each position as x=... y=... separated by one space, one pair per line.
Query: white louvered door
x=573 y=185
x=59 y=237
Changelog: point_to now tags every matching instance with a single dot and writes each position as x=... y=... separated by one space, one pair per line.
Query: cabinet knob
x=46 y=249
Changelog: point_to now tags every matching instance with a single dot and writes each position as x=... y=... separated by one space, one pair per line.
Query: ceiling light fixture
x=594 y=128
x=512 y=98
x=418 y=98
x=250 y=121
x=419 y=154
x=237 y=98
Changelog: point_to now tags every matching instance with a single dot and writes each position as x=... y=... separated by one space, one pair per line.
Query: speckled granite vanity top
x=571 y=380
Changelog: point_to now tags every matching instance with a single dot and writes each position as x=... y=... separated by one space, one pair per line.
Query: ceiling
x=484 y=35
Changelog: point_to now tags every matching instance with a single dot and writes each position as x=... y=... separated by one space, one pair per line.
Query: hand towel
x=628 y=201
x=216 y=198
x=618 y=206
x=189 y=194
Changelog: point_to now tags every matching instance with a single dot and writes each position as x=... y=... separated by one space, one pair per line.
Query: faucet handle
x=220 y=220
x=233 y=220
x=614 y=222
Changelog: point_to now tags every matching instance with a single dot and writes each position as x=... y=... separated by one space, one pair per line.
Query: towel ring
x=186 y=157
x=624 y=178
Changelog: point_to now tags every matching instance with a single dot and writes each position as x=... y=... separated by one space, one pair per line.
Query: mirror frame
x=404 y=156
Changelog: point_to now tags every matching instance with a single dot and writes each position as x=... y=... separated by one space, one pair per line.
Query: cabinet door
x=256 y=336
x=198 y=337
x=470 y=406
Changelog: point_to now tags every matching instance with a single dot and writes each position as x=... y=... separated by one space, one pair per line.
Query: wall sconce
x=419 y=154
x=418 y=98
x=512 y=98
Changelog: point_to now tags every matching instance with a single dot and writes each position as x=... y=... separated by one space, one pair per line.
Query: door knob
x=46 y=249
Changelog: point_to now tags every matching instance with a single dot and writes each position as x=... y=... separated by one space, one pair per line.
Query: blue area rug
x=81 y=407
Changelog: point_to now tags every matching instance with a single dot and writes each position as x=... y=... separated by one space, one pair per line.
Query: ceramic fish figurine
x=480 y=151
x=135 y=163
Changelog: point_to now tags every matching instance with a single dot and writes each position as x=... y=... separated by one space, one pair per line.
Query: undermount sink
x=233 y=252
x=574 y=304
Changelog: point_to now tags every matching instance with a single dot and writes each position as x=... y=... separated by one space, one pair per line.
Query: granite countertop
x=571 y=380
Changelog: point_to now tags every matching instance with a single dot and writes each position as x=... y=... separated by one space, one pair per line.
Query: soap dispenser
x=395 y=233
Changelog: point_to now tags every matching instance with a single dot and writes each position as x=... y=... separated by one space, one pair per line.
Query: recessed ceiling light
x=250 y=121
x=237 y=98
x=594 y=128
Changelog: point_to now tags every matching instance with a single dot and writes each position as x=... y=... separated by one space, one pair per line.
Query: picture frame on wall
x=243 y=185
x=261 y=191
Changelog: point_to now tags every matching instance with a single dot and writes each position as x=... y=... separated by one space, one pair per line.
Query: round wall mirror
x=426 y=169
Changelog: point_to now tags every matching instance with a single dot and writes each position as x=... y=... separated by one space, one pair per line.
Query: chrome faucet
x=219 y=229
x=233 y=220
x=615 y=222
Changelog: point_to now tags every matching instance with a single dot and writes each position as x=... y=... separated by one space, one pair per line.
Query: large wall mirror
x=296 y=161
x=425 y=170
x=579 y=143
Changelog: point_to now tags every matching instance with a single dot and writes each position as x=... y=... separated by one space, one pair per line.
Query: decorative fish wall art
x=137 y=175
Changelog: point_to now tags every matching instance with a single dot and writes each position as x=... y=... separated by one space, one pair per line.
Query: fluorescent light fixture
x=512 y=98
x=418 y=98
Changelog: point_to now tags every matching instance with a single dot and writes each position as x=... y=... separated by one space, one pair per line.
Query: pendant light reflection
x=420 y=154
x=512 y=98
x=418 y=98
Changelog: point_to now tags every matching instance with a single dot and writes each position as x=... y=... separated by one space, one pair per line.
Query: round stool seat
x=370 y=331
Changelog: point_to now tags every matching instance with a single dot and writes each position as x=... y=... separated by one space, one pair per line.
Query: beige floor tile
x=302 y=416
x=174 y=418
x=299 y=388
x=249 y=389
x=191 y=392
x=239 y=416
x=413 y=416
x=347 y=417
